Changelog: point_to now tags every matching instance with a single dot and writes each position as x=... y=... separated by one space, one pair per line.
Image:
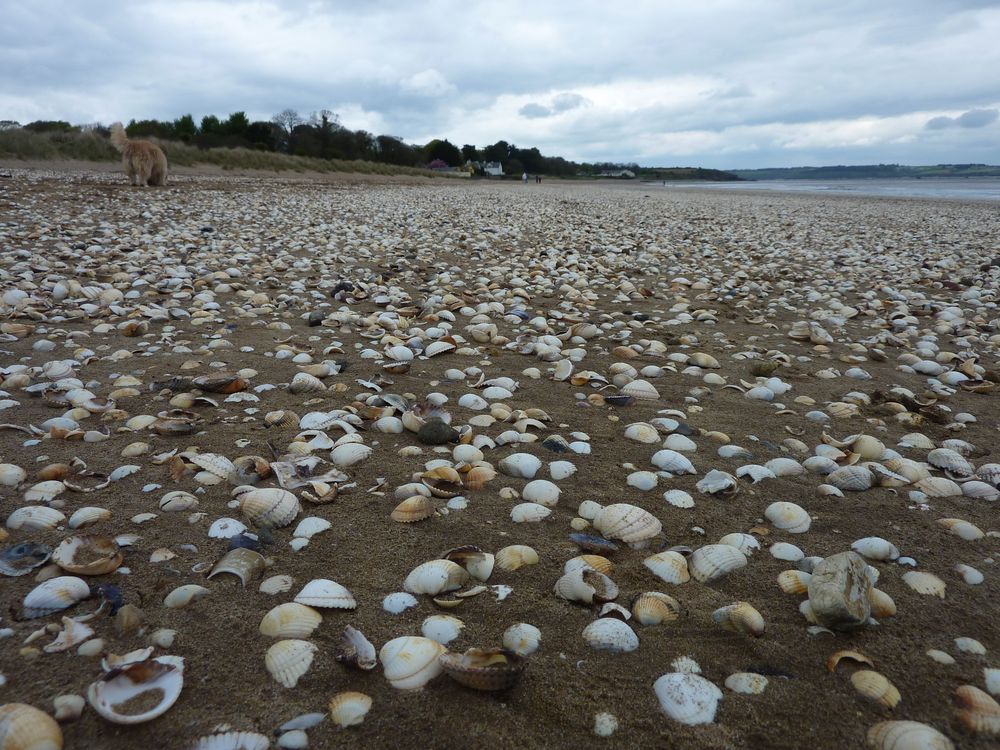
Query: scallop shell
x=413 y=509
x=163 y=675
x=629 y=523
x=654 y=608
x=713 y=561
x=288 y=660
x=611 y=634
x=270 y=507
x=741 y=617
x=54 y=595
x=875 y=687
x=290 y=620
x=484 y=669
x=24 y=727
x=34 y=518
x=788 y=517
x=522 y=638
x=88 y=555
x=906 y=735
x=687 y=698
x=245 y=564
x=435 y=577
x=349 y=708
x=516 y=556
x=410 y=662
x=669 y=566
x=326 y=594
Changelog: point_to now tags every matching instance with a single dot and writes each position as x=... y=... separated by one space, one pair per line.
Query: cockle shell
x=24 y=727
x=745 y=543
x=529 y=513
x=541 y=491
x=232 y=741
x=290 y=620
x=523 y=465
x=629 y=523
x=120 y=687
x=875 y=548
x=349 y=454
x=413 y=509
x=271 y=507
x=522 y=638
x=516 y=556
x=851 y=478
x=11 y=475
x=303 y=382
x=87 y=554
x=610 y=634
x=288 y=660
x=597 y=562
x=654 y=608
x=669 y=566
x=54 y=595
x=687 y=698
x=34 y=518
x=713 y=561
x=86 y=516
x=747 y=683
x=978 y=711
x=673 y=462
x=788 y=517
x=876 y=687
x=410 y=662
x=741 y=617
x=484 y=669
x=178 y=501
x=794 y=581
x=434 y=577
x=962 y=529
x=906 y=735
x=182 y=596
x=324 y=593
x=640 y=389
x=442 y=628
x=642 y=432
x=924 y=583
x=349 y=708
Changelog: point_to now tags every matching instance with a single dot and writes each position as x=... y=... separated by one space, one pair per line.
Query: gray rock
x=838 y=591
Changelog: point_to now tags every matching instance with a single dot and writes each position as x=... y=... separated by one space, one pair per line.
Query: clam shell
x=962 y=529
x=303 y=382
x=597 y=562
x=541 y=491
x=276 y=584
x=523 y=465
x=24 y=727
x=906 y=735
x=177 y=501
x=290 y=620
x=163 y=675
x=713 y=561
x=788 y=517
x=679 y=498
x=875 y=687
x=442 y=628
x=851 y=478
x=687 y=698
x=673 y=462
x=349 y=454
x=794 y=581
x=484 y=669
x=516 y=556
x=410 y=662
x=270 y=507
x=522 y=638
x=436 y=576
x=654 y=608
x=54 y=595
x=611 y=634
x=741 y=617
x=716 y=481
x=924 y=583
x=875 y=548
x=87 y=554
x=642 y=432
x=11 y=475
x=349 y=708
x=182 y=596
x=629 y=523
x=641 y=389
x=413 y=509
x=34 y=518
x=478 y=563
x=245 y=564
x=324 y=593
x=87 y=516
x=529 y=513
x=669 y=566
x=288 y=660
x=22 y=558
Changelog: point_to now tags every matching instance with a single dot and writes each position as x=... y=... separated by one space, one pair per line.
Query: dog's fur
x=144 y=162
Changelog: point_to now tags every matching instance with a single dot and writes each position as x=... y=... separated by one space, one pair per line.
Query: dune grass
x=89 y=146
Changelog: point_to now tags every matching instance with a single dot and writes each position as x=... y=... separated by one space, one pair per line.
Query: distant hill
x=868 y=171
x=685 y=173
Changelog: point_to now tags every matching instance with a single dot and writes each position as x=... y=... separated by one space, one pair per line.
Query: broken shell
x=747 y=683
x=611 y=634
x=290 y=620
x=349 y=708
x=22 y=558
x=24 y=727
x=484 y=669
x=355 y=650
x=876 y=687
x=410 y=662
x=288 y=660
x=478 y=563
x=72 y=634
x=587 y=586
x=349 y=454
x=162 y=676
x=794 y=581
x=87 y=516
x=178 y=501
x=442 y=628
x=88 y=555
x=324 y=593
x=276 y=584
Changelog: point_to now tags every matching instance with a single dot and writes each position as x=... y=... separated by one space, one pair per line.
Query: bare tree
x=287 y=120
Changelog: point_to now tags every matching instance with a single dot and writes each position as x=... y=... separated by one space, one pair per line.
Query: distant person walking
x=524 y=178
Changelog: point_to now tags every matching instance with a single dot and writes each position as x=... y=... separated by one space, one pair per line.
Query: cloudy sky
x=715 y=83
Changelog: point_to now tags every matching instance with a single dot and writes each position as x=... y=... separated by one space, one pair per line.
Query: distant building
x=493 y=168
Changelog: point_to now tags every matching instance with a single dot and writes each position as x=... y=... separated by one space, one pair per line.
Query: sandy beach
x=811 y=318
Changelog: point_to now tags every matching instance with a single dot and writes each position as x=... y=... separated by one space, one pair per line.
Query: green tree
x=444 y=150
x=236 y=125
x=470 y=153
x=184 y=127
x=210 y=125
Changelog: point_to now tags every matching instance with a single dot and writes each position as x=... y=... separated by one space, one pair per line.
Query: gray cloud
x=974 y=118
x=560 y=103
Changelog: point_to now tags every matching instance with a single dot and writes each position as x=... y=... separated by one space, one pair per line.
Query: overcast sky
x=715 y=83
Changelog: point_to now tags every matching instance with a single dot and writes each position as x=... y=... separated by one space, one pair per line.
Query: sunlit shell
x=713 y=561
x=610 y=634
x=434 y=577
x=906 y=735
x=629 y=523
x=962 y=529
x=290 y=620
x=522 y=638
x=326 y=594
x=24 y=727
x=687 y=698
x=741 y=617
x=288 y=660
x=88 y=555
x=669 y=566
x=349 y=709
x=413 y=509
x=54 y=595
x=162 y=677
x=654 y=608
x=924 y=583
x=410 y=662
x=516 y=556
x=34 y=518
x=269 y=507
x=788 y=517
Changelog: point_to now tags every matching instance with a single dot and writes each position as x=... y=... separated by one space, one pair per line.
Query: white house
x=493 y=168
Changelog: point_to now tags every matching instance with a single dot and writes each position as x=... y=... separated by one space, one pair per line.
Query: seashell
x=981 y=491
x=288 y=660
x=24 y=727
x=281 y=418
x=938 y=487
x=44 y=492
x=654 y=608
x=951 y=462
x=478 y=563
x=214 y=463
x=745 y=543
x=225 y=528
x=716 y=482
x=741 y=617
x=349 y=454
x=851 y=478
x=587 y=586
x=541 y=491
x=969 y=574
x=435 y=577
x=640 y=389
x=87 y=555
x=924 y=583
x=276 y=584
x=785 y=467
x=413 y=509
x=303 y=382
x=598 y=563
x=34 y=518
x=232 y=741
x=87 y=516
x=522 y=639
x=478 y=476
x=669 y=566
x=326 y=594
x=162 y=677
x=22 y=558
x=398 y=602
x=962 y=529
x=785 y=551
x=442 y=628
x=672 y=461
x=349 y=708
x=875 y=548
x=290 y=620
x=906 y=735
x=687 y=698
x=788 y=517
x=970 y=646
x=610 y=634
x=73 y=633
x=270 y=508
x=355 y=650
x=642 y=480
x=245 y=564
x=484 y=669
x=182 y=596
x=54 y=595
x=529 y=513
x=178 y=501
x=679 y=498
x=560 y=470
x=978 y=712
x=523 y=465
x=875 y=687
x=794 y=581
x=642 y=432
x=755 y=472
x=629 y=523
x=410 y=662
x=11 y=475
x=747 y=683
x=713 y=561
x=516 y=556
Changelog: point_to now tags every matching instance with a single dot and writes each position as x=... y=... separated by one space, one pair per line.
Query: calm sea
x=987 y=189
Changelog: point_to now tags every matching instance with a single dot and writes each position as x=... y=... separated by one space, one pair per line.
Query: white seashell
x=680 y=443
x=163 y=676
x=713 y=561
x=34 y=518
x=87 y=516
x=437 y=576
x=745 y=543
x=642 y=432
x=585 y=585
x=268 y=507
x=687 y=698
x=747 y=683
x=327 y=594
x=851 y=478
x=349 y=709
x=182 y=596
x=785 y=551
x=629 y=523
x=516 y=556
x=11 y=475
x=673 y=462
x=669 y=566
x=521 y=638
x=303 y=382
x=442 y=628
x=541 y=491
x=529 y=513
x=307 y=528
x=970 y=646
x=642 y=480
x=410 y=662
x=178 y=501
x=788 y=517
x=641 y=389
x=523 y=465
x=962 y=529
x=785 y=467
x=473 y=401
x=226 y=528
x=755 y=472
x=54 y=595
x=288 y=660
x=349 y=454
x=232 y=741
x=398 y=602
x=560 y=470
x=72 y=634
x=610 y=634
x=906 y=735
x=290 y=620
x=969 y=574
x=875 y=548
x=276 y=584
x=716 y=481
x=679 y=498
x=821 y=465
x=924 y=583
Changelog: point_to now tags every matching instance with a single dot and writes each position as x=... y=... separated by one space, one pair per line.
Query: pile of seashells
x=276 y=455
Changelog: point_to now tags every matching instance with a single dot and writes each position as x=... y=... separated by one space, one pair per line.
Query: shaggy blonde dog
x=144 y=162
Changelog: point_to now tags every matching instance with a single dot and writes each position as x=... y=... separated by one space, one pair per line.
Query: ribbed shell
x=269 y=507
x=288 y=660
x=629 y=523
x=290 y=620
x=54 y=595
x=324 y=593
x=24 y=727
x=713 y=561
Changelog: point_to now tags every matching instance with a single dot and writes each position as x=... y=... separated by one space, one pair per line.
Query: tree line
x=321 y=135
